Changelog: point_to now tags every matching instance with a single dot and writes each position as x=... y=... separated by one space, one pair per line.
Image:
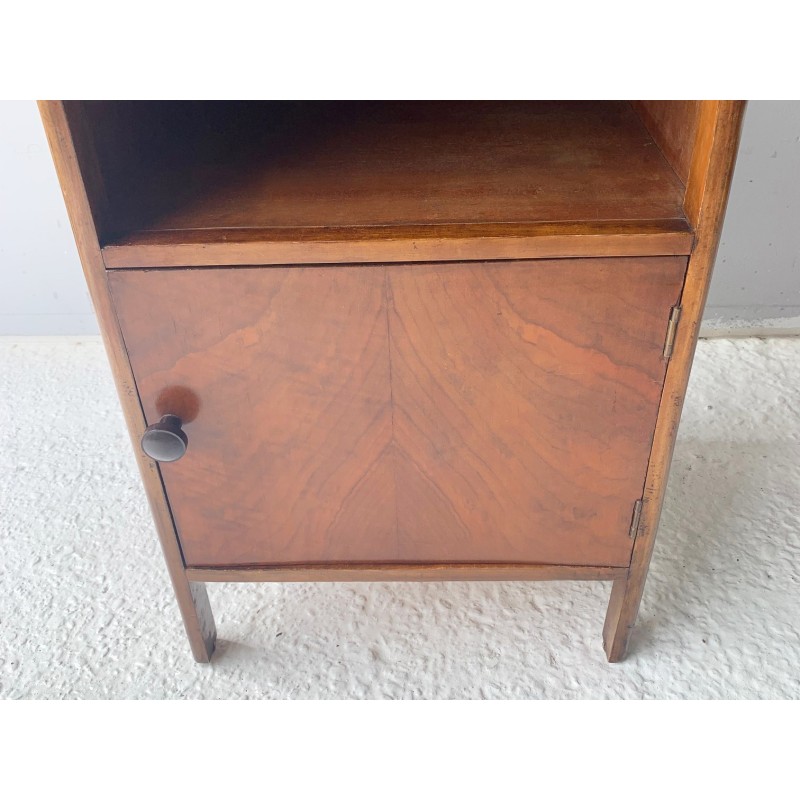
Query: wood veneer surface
x=477 y=412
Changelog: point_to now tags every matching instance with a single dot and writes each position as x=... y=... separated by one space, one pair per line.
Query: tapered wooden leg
x=620 y=619
x=197 y=617
x=623 y=606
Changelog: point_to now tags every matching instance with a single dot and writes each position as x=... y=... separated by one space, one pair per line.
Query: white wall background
x=756 y=282
x=42 y=290
x=757 y=274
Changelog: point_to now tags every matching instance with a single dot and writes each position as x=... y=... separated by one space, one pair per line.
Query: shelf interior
x=176 y=169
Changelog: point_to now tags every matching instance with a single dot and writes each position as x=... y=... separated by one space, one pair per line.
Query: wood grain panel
x=525 y=397
x=496 y=413
x=289 y=456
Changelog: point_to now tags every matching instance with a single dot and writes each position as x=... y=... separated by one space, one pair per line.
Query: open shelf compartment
x=199 y=183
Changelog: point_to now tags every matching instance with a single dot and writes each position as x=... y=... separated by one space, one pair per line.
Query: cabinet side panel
x=723 y=131
x=66 y=137
x=673 y=126
x=706 y=141
x=84 y=151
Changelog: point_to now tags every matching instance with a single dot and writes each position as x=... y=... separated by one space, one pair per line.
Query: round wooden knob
x=165 y=441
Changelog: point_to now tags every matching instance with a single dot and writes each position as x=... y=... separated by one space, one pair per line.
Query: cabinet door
x=471 y=412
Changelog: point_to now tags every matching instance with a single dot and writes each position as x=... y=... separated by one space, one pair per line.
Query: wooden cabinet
x=400 y=340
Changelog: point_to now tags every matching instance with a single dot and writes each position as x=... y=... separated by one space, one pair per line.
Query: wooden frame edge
x=407 y=572
x=245 y=248
x=720 y=148
x=192 y=598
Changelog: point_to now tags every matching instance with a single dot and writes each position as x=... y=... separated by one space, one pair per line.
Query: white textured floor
x=86 y=609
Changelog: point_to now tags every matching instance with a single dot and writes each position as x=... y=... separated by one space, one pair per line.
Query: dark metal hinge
x=635 y=518
x=672 y=327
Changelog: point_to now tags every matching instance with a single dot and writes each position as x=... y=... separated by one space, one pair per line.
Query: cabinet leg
x=623 y=608
x=197 y=618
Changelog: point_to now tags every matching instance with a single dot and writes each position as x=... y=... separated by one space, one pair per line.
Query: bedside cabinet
x=399 y=340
